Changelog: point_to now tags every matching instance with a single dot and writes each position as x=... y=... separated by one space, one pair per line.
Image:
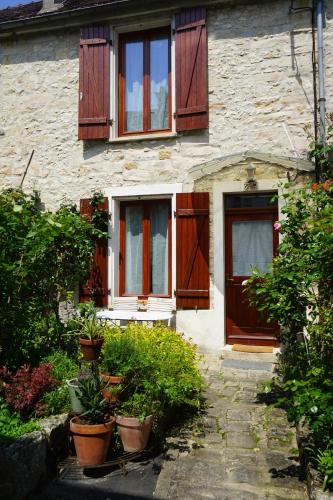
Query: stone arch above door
x=233 y=168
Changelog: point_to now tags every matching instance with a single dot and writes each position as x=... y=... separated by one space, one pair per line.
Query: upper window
x=145 y=248
x=144 y=82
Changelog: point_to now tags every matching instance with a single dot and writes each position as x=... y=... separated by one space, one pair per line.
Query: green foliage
x=43 y=255
x=164 y=370
x=96 y=408
x=325 y=466
x=298 y=294
x=11 y=425
x=119 y=353
x=63 y=368
x=86 y=325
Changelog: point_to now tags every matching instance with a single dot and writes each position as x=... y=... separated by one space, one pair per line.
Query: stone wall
x=260 y=98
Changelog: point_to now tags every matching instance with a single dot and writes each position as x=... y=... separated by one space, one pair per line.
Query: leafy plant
x=41 y=262
x=298 y=294
x=11 y=425
x=96 y=408
x=23 y=391
x=119 y=354
x=325 y=466
x=165 y=372
x=86 y=324
x=63 y=368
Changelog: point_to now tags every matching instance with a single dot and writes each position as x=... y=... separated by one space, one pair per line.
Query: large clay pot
x=134 y=435
x=111 y=381
x=91 y=441
x=73 y=389
x=91 y=349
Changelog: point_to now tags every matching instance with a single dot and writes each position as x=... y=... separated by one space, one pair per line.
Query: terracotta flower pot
x=112 y=381
x=91 y=349
x=91 y=441
x=134 y=435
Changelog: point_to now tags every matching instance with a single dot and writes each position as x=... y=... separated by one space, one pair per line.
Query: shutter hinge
x=111 y=122
x=175 y=213
x=175 y=293
x=174 y=115
x=109 y=291
x=174 y=31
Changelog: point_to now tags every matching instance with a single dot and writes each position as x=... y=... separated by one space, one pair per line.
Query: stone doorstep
x=266 y=357
x=245 y=364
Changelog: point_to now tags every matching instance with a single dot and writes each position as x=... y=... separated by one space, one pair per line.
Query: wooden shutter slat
x=96 y=286
x=192 y=224
x=94 y=83
x=191 y=69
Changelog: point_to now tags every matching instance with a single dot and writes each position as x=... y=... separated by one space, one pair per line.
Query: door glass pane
x=159 y=248
x=159 y=72
x=133 y=250
x=134 y=86
x=252 y=246
x=251 y=200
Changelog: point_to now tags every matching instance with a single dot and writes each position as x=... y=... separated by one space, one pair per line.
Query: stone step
x=266 y=357
x=245 y=364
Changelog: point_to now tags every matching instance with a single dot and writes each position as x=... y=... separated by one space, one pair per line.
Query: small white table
x=125 y=315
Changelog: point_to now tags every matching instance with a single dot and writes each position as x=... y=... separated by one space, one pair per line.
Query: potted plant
x=92 y=429
x=134 y=421
x=118 y=363
x=90 y=331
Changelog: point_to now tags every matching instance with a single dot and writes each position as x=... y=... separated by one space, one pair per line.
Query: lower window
x=145 y=248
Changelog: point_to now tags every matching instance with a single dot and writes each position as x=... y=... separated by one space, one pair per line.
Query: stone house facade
x=256 y=112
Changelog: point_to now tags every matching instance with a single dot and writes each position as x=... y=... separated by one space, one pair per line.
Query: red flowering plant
x=24 y=390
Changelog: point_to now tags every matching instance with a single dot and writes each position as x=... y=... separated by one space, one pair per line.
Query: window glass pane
x=252 y=246
x=133 y=250
x=159 y=71
x=250 y=201
x=134 y=86
x=159 y=248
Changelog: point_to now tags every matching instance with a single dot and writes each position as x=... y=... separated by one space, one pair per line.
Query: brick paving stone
x=246 y=450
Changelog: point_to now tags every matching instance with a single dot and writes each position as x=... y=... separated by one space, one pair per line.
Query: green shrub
x=298 y=293
x=11 y=425
x=41 y=262
x=119 y=353
x=165 y=374
x=63 y=368
x=325 y=466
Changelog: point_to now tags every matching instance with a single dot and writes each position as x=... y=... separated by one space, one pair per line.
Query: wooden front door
x=250 y=241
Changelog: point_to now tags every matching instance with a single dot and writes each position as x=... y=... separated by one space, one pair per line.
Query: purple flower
x=277 y=226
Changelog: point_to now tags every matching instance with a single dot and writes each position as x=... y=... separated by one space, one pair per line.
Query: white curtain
x=159 y=248
x=252 y=246
x=159 y=73
x=134 y=86
x=133 y=250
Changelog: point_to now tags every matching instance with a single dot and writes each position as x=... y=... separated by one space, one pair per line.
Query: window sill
x=146 y=137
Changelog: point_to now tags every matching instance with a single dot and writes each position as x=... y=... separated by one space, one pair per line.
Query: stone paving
x=245 y=449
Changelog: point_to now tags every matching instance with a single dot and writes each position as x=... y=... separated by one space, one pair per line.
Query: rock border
x=31 y=459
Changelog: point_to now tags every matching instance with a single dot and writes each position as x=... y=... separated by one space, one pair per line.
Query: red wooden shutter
x=94 y=84
x=191 y=70
x=96 y=287
x=192 y=216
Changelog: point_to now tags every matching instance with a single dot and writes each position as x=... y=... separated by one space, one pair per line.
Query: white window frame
x=138 y=192
x=115 y=31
